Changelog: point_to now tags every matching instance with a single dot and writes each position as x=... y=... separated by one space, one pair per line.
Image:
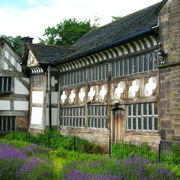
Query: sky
x=32 y=17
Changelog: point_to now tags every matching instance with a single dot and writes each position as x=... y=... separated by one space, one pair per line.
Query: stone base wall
x=170 y=102
x=97 y=136
x=152 y=138
x=35 y=132
x=22 y=124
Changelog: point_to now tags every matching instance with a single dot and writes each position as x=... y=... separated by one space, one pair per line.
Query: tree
x=66 y=33
x=15 y=42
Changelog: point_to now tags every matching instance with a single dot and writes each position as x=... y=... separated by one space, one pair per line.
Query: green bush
x=125 y=150
x=53 y=139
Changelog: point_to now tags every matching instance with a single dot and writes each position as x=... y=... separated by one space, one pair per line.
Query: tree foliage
x=15 y=42
x=66 y=33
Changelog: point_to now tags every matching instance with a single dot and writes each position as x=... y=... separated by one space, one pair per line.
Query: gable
x=9 y=59
x=32 y=61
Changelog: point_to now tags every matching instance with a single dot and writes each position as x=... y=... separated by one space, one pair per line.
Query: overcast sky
x=32 y=17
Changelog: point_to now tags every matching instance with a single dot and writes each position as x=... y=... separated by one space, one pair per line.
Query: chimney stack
x=24 y=41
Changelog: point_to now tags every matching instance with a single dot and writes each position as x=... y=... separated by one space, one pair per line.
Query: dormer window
x=5 y=85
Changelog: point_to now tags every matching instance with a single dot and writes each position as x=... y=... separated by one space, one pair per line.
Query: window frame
x=143 y=116
x=5 y=85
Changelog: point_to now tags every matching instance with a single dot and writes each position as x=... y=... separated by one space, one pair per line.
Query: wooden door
x=118 y=125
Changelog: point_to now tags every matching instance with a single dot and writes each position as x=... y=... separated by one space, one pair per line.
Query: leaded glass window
x=71 y=78
x=72 y=117
x=142 y=117
x=133 y=65
x=97 y=116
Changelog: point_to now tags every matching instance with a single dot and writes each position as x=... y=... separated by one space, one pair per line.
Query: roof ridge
x=54 y=46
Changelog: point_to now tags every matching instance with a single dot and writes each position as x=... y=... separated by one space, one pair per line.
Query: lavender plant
x=19 y=164
x=134 y=168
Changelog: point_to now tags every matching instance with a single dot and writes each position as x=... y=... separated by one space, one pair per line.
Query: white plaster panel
x=21 y=105
x=54 y=97
x=36 y=117
x=5 y=105
x=19 y=88
x=7 y=54
x=12 y=61
x=5 y=66
x=19 y=68
x=37 y=97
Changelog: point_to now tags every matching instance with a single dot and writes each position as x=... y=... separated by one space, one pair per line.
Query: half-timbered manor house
x=120 y=81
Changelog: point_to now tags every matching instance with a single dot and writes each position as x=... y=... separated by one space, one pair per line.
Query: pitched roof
x=46 y=53
x=125 y=28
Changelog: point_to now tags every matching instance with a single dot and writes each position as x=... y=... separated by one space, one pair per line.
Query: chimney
x=24 y=41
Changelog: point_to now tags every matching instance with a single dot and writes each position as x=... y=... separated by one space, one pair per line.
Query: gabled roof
x=113 y=33
x=2 y=40
x=46 y=54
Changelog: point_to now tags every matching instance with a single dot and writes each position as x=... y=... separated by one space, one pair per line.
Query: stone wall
x=22 y=124
x=169 y=30
x=170 y=102
x=100 y=137
x=169 y=37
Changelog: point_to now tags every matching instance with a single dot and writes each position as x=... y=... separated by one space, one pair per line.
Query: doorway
x=118 y=125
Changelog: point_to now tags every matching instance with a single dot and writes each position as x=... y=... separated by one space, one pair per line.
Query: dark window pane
x=100 y=76
x=117 y=69
x=83 y=122
x=134 y=110
x=107 y=71
x=121 y=68
x=126 y=67
x=150 y=61
x=150 y=123
x=140 y=63
x=92 y=122
x=139 y=124
x=155 y=61
x=103 y=123
x=145 y=62
x=77 y=122
x=135 y=65
x=95 y=122
x=130 y=66
x=99 y=124
x=134 y=123
x=150 y=108
x=13 y=124
x=129 y=110
x=155 y=123
x=129 y=123
x=139 y=109
x=145 y=123
x=144 y=109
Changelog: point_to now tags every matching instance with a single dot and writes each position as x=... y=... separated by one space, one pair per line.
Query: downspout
x=49 y=95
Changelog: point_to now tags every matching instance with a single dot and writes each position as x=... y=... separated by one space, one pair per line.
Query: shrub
x=133 y=168
x=16 y=164
x=53 y=139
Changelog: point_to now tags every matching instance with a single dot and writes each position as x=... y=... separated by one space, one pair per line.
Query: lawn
x=25 y=161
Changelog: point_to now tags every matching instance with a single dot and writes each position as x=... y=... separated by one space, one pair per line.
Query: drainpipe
x=49 y=94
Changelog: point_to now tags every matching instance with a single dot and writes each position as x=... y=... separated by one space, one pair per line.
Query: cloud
x=32 y=22
x=31 y=2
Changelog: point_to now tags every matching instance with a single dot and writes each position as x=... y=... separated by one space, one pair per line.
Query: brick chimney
x=24 y=41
